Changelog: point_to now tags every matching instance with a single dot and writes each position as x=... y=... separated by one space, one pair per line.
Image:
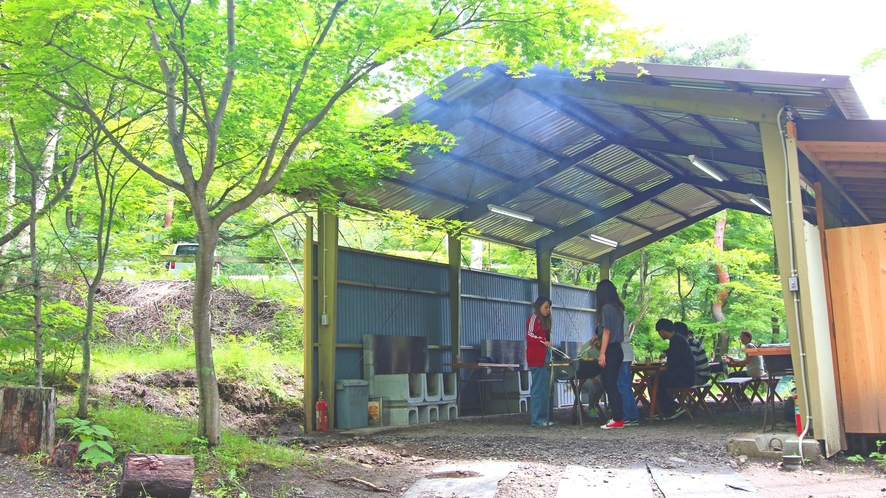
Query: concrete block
x=449 y=391
x=434 y=387
x=399 y=387
x=773 y=445
x=514 y=404
x=517 y=382
x=407 y=415
x=428 y=414
x=811 y=447
x=447 y=411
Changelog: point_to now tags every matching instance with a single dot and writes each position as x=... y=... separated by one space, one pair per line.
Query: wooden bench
x=731 y=387
x=766 y=384
x=691 y=398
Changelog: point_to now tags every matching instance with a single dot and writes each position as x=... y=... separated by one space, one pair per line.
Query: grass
x=141 y=430
x=248 y=358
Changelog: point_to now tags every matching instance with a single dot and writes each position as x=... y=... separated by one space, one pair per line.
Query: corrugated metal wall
x=386 y=295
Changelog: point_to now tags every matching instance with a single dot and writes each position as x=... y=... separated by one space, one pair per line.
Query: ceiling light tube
x=760 y=204
x=510 y=212
x=707 y=168
x=603 y=240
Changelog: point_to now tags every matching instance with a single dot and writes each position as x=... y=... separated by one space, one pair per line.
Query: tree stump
x=27 y=419
x=160 y=476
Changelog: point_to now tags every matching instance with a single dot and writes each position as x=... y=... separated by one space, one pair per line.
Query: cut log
x=160 y=476
x=27 y=419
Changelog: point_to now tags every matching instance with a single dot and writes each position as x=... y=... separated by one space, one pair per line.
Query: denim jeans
x=538 y=393
x=625 y=387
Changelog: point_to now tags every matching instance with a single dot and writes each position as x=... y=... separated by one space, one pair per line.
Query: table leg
x=576 y=403
x=653 y=399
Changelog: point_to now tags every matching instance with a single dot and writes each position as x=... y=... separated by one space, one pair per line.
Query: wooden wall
x=857 y=266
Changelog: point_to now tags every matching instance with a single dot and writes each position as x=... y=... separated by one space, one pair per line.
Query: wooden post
x=27 y=419
x=166 y=476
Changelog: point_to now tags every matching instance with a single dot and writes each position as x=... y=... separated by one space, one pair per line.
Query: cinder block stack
x=516 y=385
x=416 y=398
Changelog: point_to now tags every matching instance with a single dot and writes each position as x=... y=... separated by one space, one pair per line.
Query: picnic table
x=647 y=376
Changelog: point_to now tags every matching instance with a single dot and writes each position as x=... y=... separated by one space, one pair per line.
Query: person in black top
x=679 y=371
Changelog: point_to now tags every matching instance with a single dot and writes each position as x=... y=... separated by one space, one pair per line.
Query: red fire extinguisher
x=322 y=420
x=797 y=418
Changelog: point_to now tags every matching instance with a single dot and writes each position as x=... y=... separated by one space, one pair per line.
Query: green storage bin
x=351 y=404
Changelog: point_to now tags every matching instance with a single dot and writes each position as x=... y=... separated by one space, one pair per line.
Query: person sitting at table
x=538 y=354
x=754 y=366
x=702 y=366
x=679 y=371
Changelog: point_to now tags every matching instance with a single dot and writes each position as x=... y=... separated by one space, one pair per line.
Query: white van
x=176 y=267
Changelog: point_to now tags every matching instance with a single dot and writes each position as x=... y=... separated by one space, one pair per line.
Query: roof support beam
x=651 y=122
x=451 y=114
x=427 y=190
x=729 y=186
x=554 y=239
x=719 y=135
x=691 y=101
x=626 y=249
x=733 y=156
x=477 y=209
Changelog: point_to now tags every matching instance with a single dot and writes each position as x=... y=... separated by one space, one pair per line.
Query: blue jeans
x=625 y=387
x=538 y=395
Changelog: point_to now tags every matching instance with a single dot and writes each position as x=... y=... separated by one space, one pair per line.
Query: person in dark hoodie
x=679 y=371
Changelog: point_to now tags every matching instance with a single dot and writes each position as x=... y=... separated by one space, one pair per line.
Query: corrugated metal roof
x=510 y=133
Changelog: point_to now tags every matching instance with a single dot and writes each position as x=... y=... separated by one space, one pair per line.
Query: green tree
x=253 y=89
x=729 y=52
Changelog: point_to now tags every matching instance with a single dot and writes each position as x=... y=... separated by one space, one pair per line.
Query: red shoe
x=614 y=424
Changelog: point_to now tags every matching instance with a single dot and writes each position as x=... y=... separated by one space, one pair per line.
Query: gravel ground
x=395 y=459
x=349 y=464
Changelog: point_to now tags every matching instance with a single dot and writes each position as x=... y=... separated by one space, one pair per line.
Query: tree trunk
x=27 y=419
x=83 y=396
x=209 y=422
x=10 y=195
x=37 y=288
x=161 y=476
x=722 y=273
x=44 y=173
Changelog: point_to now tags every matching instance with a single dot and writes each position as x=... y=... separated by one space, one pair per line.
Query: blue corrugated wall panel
x=393 y=296
x=348 y=363
x=367 y=310
x=380 y=270
x=496 y=285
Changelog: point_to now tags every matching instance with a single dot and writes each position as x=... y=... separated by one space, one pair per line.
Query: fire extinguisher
x=322 y=420
x=797 y=413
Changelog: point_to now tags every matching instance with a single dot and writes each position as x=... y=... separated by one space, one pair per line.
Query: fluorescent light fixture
x=510 y=212
x=760 y=204
x=707 y=168
x=604 y=240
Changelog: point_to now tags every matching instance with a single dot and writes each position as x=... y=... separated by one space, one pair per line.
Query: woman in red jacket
x=538 y=344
